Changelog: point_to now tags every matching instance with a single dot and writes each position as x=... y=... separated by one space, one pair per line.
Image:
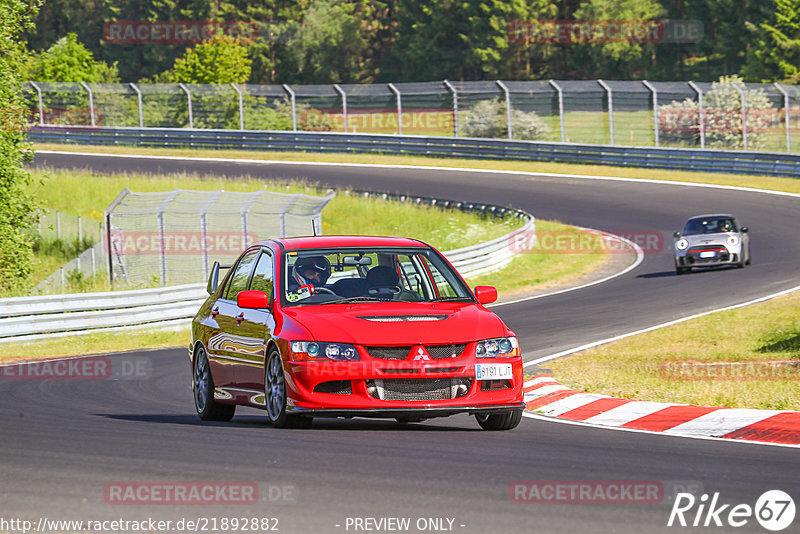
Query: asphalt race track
x=64 y=442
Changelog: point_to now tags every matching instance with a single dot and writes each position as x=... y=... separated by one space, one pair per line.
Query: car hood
x=398 y=323
x=701 y=239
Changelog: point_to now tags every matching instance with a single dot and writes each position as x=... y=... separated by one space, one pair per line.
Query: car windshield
x=709 y=225
x=328 y=276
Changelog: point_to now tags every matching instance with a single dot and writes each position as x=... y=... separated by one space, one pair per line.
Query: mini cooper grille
x=703 y=248
x=339 y=387
x=389 y=353
x=418 y=389
x=439 y=352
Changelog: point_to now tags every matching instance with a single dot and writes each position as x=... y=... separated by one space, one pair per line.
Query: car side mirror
x=676 y=234
x=213 y=278
x=252 y=298
x=485 y=294
x=745 y=229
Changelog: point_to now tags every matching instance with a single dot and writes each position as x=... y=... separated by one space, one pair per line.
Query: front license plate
x=708 y=254
x=492 y=371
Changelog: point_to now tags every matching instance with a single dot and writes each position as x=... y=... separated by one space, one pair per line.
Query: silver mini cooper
x=710 y=241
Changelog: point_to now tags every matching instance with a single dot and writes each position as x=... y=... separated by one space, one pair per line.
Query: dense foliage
x=16 y=208
x=358 y=41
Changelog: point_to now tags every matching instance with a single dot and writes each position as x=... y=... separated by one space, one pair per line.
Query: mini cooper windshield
x=326 y=276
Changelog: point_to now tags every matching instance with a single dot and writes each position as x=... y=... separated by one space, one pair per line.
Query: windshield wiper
x=452 y=299
x=353 y=299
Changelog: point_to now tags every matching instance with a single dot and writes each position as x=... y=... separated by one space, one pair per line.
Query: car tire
x=499 y=421
x=747 y=258
x=682 y=270
x=275 y=395
x=203 y=391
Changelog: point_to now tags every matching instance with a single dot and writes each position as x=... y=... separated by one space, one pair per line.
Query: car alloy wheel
x=203 y=388
x=275 y=395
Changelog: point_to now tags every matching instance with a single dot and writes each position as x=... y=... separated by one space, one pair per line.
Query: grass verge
x=724 y=359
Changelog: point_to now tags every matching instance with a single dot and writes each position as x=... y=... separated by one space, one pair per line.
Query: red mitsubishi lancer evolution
x=352 y=326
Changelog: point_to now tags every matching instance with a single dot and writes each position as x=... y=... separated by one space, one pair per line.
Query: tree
x=221 y=59
x=328 y=46
x=776 y=53
x=618 y=59
x=70 y=61
x=16 y=207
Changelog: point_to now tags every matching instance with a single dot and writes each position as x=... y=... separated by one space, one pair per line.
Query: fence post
x=41 y=103
x=293 y=99
x=399 y=109
x=508 y=107
x=241 y=105
x=455 y=106
x=58 y=224
x=139 y=102
x=655 y=108
x=344 y=103
x=741 y=92
x=700 y=114
x=610 y=109
x=189 y=103
x=560 y=107
x=91 y=101
x=786 y=104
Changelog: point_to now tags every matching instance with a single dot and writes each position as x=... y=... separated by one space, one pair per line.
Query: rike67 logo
x=774 y=510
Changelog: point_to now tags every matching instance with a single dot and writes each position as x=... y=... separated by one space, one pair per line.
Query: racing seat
x=384 y=282
x=349 y=287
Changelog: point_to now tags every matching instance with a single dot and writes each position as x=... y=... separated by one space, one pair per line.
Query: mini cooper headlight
x=733 y=240
x=499 y=347
x=681 y=244
x=314 y=351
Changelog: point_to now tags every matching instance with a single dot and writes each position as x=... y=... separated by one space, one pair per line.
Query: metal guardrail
x=688 y=159
x=28 y=318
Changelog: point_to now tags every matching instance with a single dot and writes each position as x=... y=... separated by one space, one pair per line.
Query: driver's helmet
x=304 y=269
x=725 y=226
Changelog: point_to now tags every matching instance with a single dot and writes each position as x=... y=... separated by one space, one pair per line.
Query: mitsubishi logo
x=421 y=354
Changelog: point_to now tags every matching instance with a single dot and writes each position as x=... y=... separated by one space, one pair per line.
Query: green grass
x=759 y=182
x=642 y=367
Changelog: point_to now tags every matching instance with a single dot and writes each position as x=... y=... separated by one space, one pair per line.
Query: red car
x=344 y=326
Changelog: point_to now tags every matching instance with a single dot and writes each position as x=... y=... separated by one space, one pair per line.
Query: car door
x=255 y=326
x=224 y=347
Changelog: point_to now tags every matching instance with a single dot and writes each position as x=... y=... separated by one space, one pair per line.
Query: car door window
x=262 y=276
x=241 y=276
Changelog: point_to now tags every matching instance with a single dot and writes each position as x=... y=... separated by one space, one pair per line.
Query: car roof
x=711 y=215
x=311 y=242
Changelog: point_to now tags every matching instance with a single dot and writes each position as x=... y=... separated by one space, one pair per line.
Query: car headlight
x=316 y=351
x=501 y=347
x=681 y=244
x=733 y=240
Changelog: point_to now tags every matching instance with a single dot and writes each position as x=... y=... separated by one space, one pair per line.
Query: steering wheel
x=324 y=289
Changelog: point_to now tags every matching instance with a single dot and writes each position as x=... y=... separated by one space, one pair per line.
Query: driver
x=312 y=270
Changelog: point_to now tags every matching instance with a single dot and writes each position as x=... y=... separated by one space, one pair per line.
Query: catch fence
x=730 y=115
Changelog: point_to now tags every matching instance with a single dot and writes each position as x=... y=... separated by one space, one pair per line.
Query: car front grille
x=338 y=387
x=439 y=352
x=389 y=353
x=419 y=389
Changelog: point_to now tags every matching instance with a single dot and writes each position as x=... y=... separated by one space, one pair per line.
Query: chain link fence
x=763 y=117
x=173 y=237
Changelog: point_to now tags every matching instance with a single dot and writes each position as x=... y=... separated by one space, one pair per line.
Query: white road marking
x=723 y=421
x=627 y=412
